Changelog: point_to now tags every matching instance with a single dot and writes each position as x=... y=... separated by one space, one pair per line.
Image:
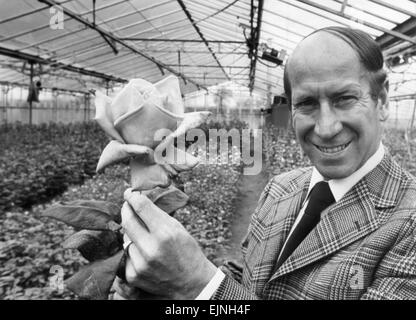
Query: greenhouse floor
x=249 y=190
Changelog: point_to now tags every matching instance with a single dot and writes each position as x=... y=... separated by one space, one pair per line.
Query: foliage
x=234 y=123
x=281 y=151
x=39 y=162
x=402 y=146
x=36 y=242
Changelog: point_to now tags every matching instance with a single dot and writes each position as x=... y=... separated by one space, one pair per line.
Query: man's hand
x=164 y=259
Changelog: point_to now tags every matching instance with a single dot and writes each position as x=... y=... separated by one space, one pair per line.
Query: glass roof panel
x=24 y=26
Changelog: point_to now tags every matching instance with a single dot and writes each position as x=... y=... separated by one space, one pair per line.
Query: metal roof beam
x=119 y=29
x=37 y=59
x=182 y=4
x=289 y=19
x=29 y=13
x=368 y=24
x=205 y=66
x=395 y=8
x=117 y=40
x=210 y=28
x=205 y=25
x=100 y=23
x=407 y=27
x=403 y=97
x=367 y=12
x=24 y=85
x=314 y=13
x=255 y=38
x=48 y=25
x=180 y=40
x=196 y=52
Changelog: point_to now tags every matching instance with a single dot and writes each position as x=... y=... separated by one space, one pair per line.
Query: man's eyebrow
x=302 y=95
x=348 y=87
x=335 y=89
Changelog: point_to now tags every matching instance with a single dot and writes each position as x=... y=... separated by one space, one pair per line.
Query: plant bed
x=34 y=242
x=40 y=162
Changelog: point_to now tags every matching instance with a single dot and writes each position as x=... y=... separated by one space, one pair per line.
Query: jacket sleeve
x=399 y=283
x=231 y=289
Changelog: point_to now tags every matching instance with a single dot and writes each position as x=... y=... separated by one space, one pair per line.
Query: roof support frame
x=89 y=50
x=263 y=32
x=100 y=23
x=367 y=12
x=37 y=59
x=47 y=25
x=119 y=29
x=289 y=19
x=205 y=66
x=116 y=39
x=189 y=16
x=29 y=13
x=367 y=24
x=255 y=38
x=393 y=7
x=229 y=11
x=180 y=40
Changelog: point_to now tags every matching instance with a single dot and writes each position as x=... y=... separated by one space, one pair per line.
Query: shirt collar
x=339 y=187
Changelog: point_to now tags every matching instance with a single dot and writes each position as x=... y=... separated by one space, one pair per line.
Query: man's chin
x=334 y=172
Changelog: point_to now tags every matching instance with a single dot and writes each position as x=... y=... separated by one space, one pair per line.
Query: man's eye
x=305 y=104
x=345 y=100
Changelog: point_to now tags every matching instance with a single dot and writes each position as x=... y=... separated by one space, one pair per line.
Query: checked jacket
x=364 y=246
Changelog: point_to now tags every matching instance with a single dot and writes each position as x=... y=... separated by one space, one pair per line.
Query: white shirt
x=339 y=187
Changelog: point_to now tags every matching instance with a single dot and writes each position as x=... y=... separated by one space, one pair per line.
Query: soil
x=250 y=188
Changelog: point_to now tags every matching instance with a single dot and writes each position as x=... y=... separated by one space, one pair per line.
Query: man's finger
x=151 y=214
x=135 y=265
x=135 y=230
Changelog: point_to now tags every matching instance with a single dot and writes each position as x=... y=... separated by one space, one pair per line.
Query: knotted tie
x=321 y=197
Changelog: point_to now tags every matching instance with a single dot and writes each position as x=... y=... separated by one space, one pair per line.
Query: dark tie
x=321 y=197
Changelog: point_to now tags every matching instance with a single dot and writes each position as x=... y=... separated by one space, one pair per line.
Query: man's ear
x=383 y=101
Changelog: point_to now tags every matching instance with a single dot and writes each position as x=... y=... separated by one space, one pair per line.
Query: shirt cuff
x=212 y=286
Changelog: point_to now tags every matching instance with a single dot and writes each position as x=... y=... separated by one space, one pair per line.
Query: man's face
x=336 y=119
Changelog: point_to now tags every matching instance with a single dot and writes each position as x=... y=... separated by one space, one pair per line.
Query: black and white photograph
x=206 y=154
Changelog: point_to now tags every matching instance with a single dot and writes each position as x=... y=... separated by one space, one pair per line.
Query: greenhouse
x=210 y=112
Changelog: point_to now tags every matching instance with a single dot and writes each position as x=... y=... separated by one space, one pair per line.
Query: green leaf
x=94 y=281
x=109 y=208
x=94 y=245
x=86 y=214
x=168 y=199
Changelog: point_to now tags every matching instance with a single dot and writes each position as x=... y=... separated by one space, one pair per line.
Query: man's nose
x=327 y=125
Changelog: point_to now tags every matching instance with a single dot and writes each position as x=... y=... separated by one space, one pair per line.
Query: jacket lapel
x=275 y=227
x=351 y=218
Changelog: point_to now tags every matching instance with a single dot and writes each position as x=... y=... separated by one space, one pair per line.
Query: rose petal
x=103 y=115
x=170 y=89
x=169 y=168
x=179 y=159
x=190 y=120
x=146 y=177
x=141 y=125
x=116 y=151
x=128 y=99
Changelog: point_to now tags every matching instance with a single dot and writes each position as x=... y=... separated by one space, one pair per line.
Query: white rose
x=133 y=117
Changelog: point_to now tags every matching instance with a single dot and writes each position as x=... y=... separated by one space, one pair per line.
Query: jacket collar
x=351 y=218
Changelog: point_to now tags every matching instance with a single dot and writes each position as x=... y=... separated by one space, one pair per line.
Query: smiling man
x=338 y=100
x=342 y=229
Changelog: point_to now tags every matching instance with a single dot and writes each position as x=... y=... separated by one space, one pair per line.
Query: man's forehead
x=322 y=50
x=323 y=57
